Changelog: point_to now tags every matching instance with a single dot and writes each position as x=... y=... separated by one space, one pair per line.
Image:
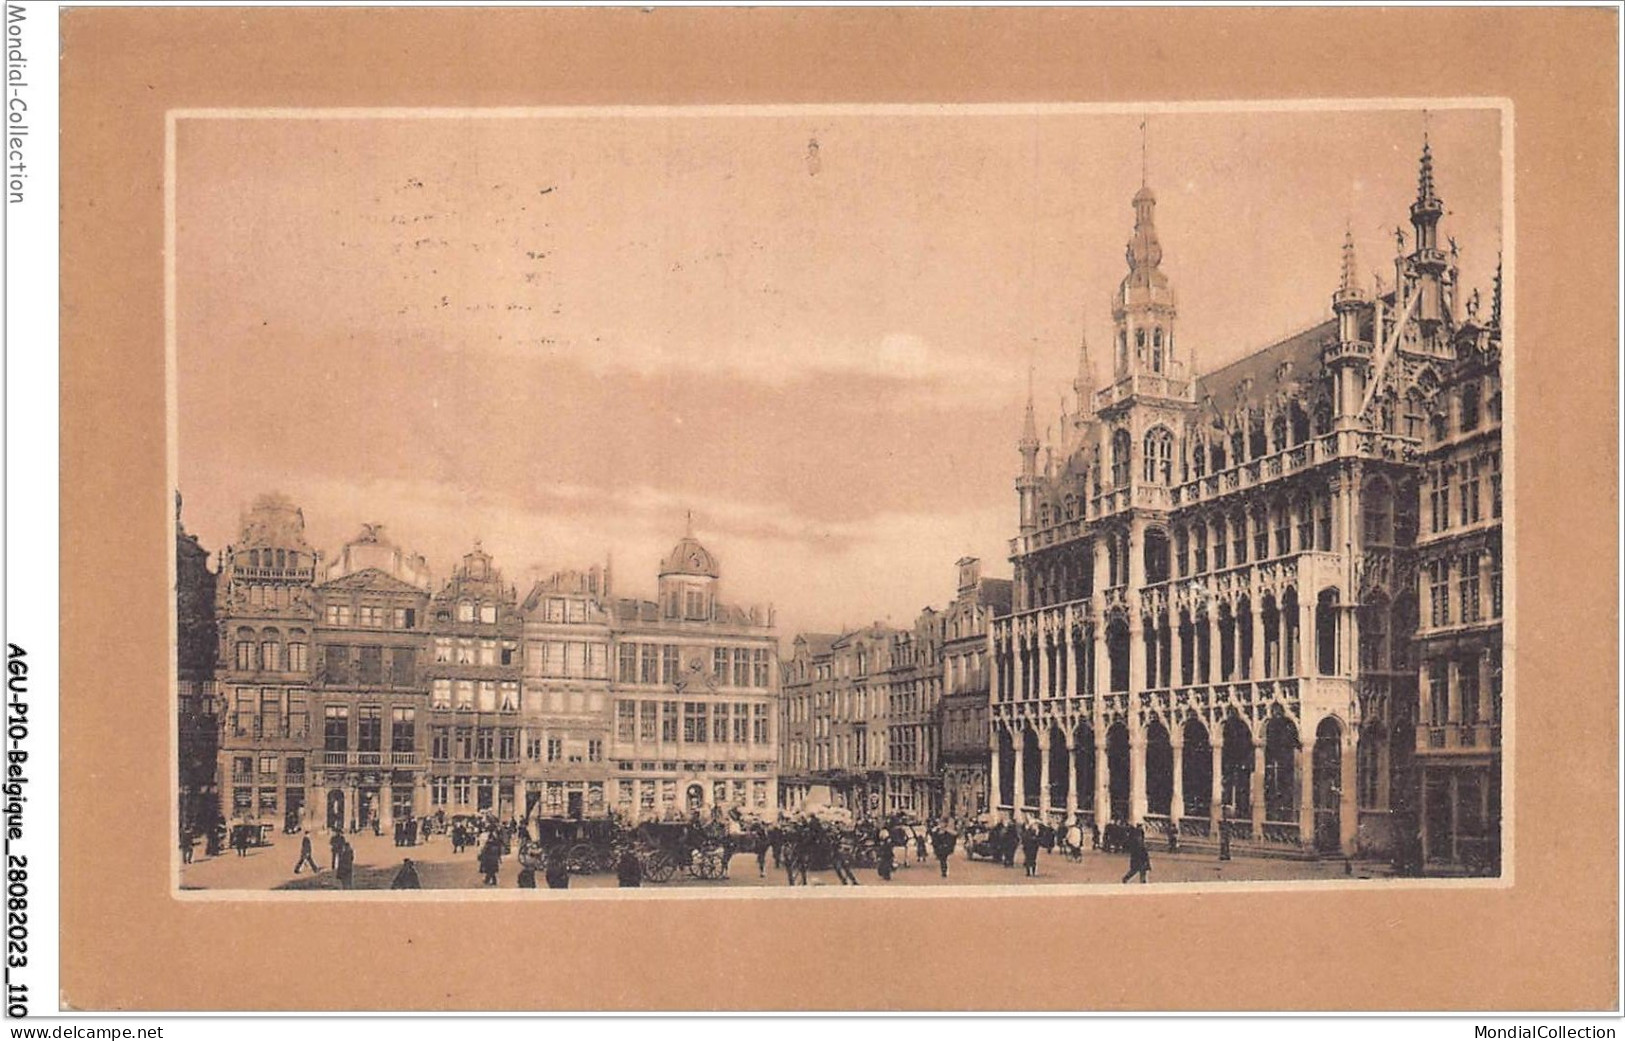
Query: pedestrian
x=527 y=875
x=885 y=857
x=1012 y=842
x=186 y=847
x=336 y=844
x=305 y=857
x=629 y=869
x=775 y=842
x=490 y=861
x=919 y=844
x=423 y=828
x=942 y=844
x=346 y=866
x=1173 y=836
x=1030 y=841
x=1094 y=836
x=558 y=871
x=1224 y=842
x=406 y=877
x=762 y=851
x=1139 y=858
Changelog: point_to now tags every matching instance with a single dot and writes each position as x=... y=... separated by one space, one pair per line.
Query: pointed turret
x=1083 y=385
x=1028 y=445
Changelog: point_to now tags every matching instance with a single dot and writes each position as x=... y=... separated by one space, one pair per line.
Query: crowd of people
x=819 y=838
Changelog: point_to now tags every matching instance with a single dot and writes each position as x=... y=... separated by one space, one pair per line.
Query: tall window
x=1221 y=548
x=1469 y=405
x=1261 y=534
x=1495 y=582
x=298 y=656
x=440 y=743
x=369 y=731
x=1467 y=689
x=402 y=728
x=1438 y=692
x=1239 y=537
x=1121 y=450
x=1323 y=525
x=741 y=723
x=719 y=724
x=1159 y=455
x=741 y=656
x=1156 y=349
x=719 y=665
x=1439 y=592
x=759 y=724
x=1283 y=528
x=760 y=668
x=336 y=734
x=668 y=721
x=648 y=721
x=626 y=720
x=668 y=663
x=1467 y=587
x=1199 y=547
x=694 y=722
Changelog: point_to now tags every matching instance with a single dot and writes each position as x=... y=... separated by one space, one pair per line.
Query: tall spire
x=1084 y=383
x=1350 y=268
x=1424 y=180
x=1145 y=135
x=1029 y=425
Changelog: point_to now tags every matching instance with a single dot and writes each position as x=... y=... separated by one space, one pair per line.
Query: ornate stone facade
x=1215 y=603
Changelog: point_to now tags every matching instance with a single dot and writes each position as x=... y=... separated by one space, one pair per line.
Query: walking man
x=1030 y=841
x=305 y=857
x=336 y=844
x=942 y=844
x=1139 y=858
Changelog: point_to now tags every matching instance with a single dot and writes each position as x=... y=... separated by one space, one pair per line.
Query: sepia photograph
x=922 y=499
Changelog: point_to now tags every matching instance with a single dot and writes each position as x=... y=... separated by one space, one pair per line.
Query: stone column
x=1348 y=815
x=1101 y=781
x=1018 y=665
x=1216 y=797
x=1019 y=741
x=1257 y=624
x=1071 y=772
x=1305 y=760
x=994 y=787
x=1041 y=668
x=1136 y=776
x=1176 y=656
x=1176 y=802
x=1136 y=653
x=1043 y=770
x=1258 y=787
x=1213 y=638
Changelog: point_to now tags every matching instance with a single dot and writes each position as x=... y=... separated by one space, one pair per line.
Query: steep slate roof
x=818 y=643
x=1301 y=349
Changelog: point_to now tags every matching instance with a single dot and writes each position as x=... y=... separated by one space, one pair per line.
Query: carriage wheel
x=708 y=864
x=581 y=859
x=659 y=866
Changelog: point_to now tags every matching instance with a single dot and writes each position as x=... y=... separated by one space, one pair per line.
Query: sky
x=812 y=328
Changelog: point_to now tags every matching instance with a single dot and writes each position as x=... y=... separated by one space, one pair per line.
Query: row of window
x=266 y=651
x=697 y=722
x=483 y=743
x=567 y=659
x=370 y=616
x=342 y=664
x=1469 y=571
x=472 y=695
x=270 y=768
x=1468 y=479
x=369 y=728
x=277 y=558
x=1469 y=707
x=467 y=650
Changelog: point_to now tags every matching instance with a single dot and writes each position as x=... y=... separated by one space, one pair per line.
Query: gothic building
x=1215 y=619
x=370 y=691
x=265 y=610
x=966 y=671
x=696 y=695
x=473 y=672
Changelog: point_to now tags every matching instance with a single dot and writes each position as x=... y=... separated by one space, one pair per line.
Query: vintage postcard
x=858 y=510
x=881 y=496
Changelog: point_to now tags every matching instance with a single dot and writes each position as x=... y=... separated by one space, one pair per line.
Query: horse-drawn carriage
x=589 y=844
x=666 y=847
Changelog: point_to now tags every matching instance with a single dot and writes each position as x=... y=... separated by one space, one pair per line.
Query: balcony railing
x=1458 y=737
